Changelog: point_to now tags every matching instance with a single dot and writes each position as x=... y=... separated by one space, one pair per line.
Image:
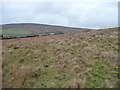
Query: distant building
x=52 y=33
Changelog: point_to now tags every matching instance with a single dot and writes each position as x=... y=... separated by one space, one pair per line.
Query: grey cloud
x=103 y=16
x=98 y=15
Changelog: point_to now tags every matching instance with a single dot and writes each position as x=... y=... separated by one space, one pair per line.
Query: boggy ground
x=87 y=59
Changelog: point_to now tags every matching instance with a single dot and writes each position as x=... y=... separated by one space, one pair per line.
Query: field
x=15 y=33
x=86 y=59
x=23 y=30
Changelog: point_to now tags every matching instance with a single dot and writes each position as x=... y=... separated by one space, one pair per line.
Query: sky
x=71 y=13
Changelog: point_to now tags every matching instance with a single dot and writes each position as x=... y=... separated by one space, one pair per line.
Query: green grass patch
x=15 y=33
x=99 y=74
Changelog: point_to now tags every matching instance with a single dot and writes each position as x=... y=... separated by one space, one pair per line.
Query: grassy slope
x=85 y=59
x=28 y=29
x=37 y=28
x=15 y=33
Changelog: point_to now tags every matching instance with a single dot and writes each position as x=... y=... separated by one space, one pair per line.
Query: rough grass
x=87 y=59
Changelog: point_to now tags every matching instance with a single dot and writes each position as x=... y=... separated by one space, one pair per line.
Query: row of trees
x=13 y=37
x=31 y=35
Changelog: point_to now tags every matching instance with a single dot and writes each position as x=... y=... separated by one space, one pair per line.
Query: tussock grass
x=87 y=59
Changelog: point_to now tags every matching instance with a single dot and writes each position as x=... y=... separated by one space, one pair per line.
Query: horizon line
x=66 y=26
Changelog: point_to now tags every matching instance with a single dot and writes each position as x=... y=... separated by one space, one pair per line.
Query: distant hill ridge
x=39 y=27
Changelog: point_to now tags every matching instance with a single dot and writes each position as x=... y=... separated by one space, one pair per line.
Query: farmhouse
x=52 y=33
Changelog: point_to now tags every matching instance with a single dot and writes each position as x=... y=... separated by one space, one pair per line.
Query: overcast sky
x=73 y=13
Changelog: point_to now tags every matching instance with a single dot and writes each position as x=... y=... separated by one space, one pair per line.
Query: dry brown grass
x=75 y=83
x=84 y=59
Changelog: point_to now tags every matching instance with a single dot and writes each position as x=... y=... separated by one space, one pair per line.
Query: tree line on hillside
x=30 y=35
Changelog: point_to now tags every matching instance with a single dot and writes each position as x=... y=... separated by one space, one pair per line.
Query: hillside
x=23 y=30
x=39 y=28
x=85 y=59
